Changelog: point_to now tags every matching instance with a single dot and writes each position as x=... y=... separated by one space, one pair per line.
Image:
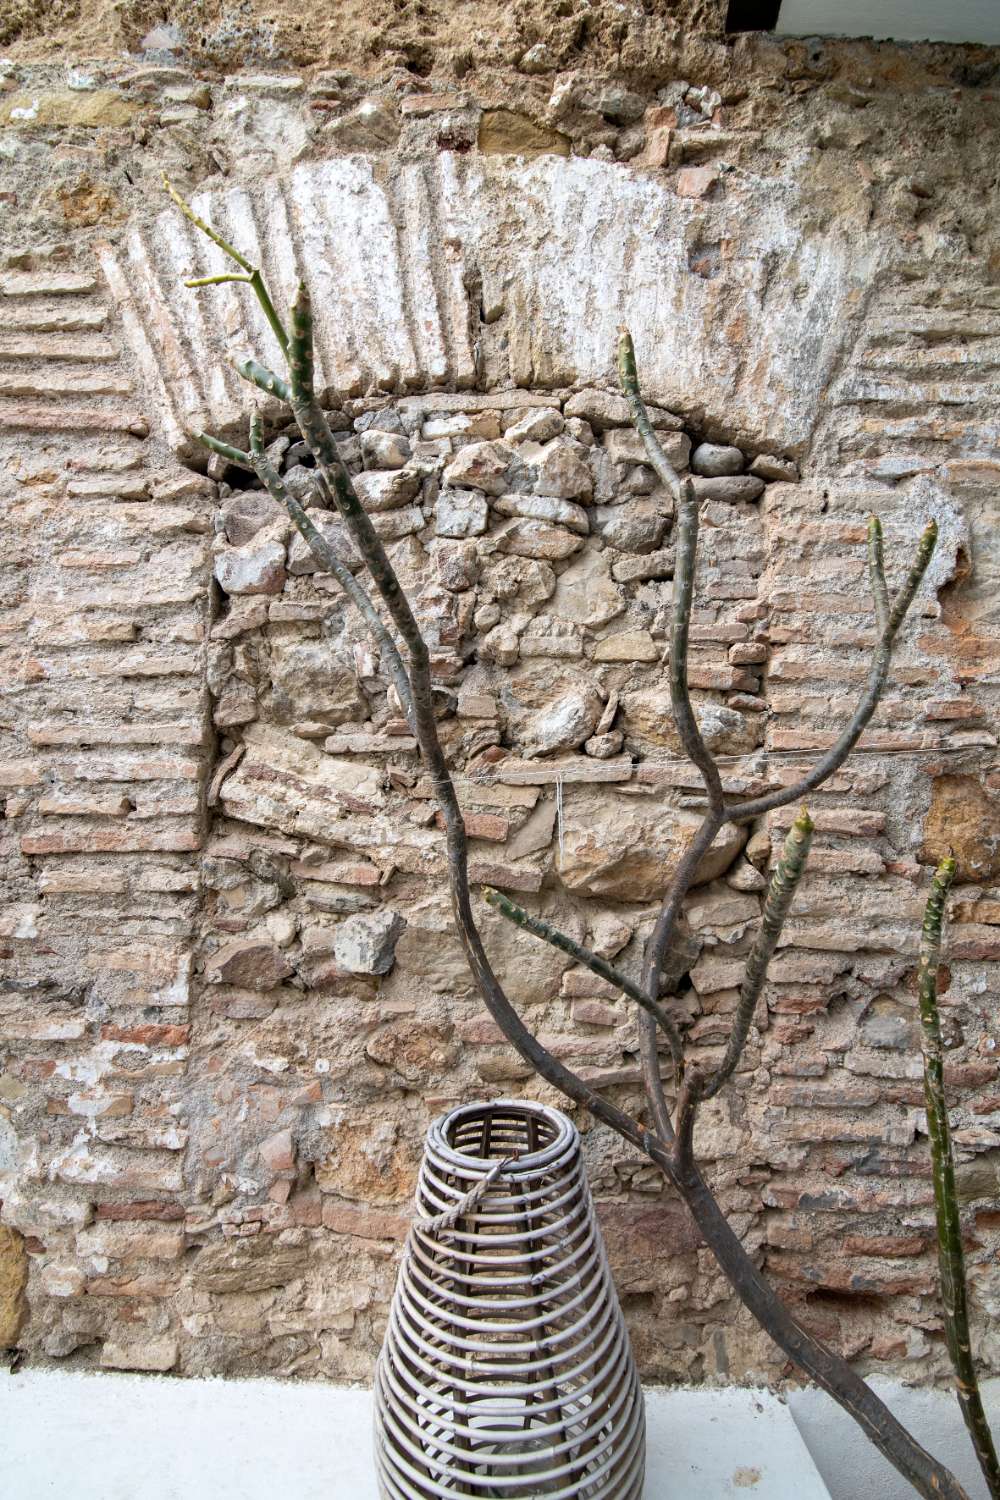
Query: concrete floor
x=129 y=1437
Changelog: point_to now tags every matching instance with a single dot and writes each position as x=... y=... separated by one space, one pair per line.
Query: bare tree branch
x=829 y=1370
x=227 y=451
x=659 y=462
x=595 y=963
x=259 y=375
x=253 y=276
x=331 y=563
x=744 y=812
x=787 y=874
x=876 y=573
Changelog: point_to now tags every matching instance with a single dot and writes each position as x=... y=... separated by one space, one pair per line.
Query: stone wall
x=232 y=1000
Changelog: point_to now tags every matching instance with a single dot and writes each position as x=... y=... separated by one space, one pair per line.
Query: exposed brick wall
x=232 y=999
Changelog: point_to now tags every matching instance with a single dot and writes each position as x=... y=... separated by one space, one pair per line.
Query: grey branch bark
x=597 y=965
x=832 y=1373
x=787 y=874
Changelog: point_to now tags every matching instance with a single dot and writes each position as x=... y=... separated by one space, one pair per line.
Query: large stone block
x=628 y=849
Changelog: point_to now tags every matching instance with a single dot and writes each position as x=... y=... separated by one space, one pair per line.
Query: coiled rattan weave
x=506 y=1369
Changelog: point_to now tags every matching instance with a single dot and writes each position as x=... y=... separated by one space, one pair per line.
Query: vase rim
x=564 y=1135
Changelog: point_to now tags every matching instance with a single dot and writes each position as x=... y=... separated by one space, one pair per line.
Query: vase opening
x=506 y=1128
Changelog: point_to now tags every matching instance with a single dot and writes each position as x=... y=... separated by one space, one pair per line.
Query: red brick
x=364 y=1223
x=113 y=841
x=149 y=1035
x=146 y=1208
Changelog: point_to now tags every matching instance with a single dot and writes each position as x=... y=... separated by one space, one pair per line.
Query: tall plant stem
x=929 y=1478
x=951 y=1256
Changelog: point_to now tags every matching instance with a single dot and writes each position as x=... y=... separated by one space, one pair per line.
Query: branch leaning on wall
x=671 y=1145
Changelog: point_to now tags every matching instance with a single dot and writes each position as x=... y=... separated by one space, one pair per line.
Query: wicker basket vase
x=506 y=1368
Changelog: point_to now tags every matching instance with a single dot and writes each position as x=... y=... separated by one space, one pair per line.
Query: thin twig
x=659 y=462
x=227 y=451
x=787 y=874
x=744 y=812
x=597 y=965
x=951 y=1255
x=331 y=563
x=259 y=375
x=680 y=697
x=253 y=276
x=876 y=573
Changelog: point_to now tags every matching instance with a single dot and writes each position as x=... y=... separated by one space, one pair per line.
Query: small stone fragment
x=246 y=513
x=766 y=466
x=539 y=540
x=562 y=472
x=564 y=723
x=604 y=746
x=480 y=466
x=636 y=526
x=249 y=963
x=500 y=645
x=384 y=450
x=731 y=488
x=381 y=490
x=366 y=943
x=277 y=1152
x=629 y=645
x=504 y=132
x=458 y=567
x=256 y=568
x=716 y=459
x=625 y=446
x=538 y=425
x=461 y=513
x=544 y=508
x=641 y=569
x=743 y=877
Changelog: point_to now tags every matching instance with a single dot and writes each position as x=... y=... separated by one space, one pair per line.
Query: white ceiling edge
x=896 y=20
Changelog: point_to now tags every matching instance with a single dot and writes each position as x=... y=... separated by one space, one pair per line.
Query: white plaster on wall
x=563 y=251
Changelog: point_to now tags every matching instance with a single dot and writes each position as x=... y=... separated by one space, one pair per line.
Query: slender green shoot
x=951 y=1256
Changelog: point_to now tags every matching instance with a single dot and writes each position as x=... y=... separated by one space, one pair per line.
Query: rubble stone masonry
x=232 y=999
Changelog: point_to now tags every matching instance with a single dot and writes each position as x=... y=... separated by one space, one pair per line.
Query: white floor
x=129 y=1437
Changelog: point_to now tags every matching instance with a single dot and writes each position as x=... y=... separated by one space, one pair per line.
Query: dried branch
x=597 y=965
x=787 y=874
x=951 y=1256
x=827 y=1369
x=331 y=563
x=227 y=451
x=838 y=753
x=876 y=573
x=680 y=697
x=659 y=462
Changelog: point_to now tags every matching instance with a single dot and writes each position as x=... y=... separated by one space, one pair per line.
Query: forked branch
x=597 y=965
x=831 y=1372
x=788 y=872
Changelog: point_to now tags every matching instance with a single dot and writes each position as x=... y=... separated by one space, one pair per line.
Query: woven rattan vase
x=506 y=1368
